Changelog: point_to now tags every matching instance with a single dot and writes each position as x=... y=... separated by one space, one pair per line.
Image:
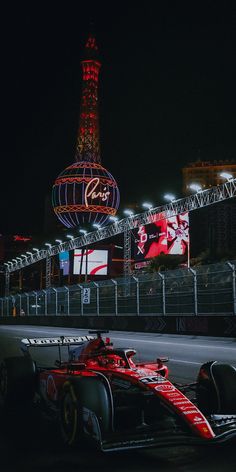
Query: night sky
x=167 y=97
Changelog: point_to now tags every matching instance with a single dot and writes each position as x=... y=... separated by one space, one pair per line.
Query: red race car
x=100 y=393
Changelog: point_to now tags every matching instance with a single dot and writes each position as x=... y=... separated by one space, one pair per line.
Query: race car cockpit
x=97 y=352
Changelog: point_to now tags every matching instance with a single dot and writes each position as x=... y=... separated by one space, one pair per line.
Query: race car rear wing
x=46 y=342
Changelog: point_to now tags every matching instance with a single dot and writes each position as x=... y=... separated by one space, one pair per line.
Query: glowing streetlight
x=46 y=244
x=226 y=175
x=83 y=231
x=19 y=258
x=35 y=249
x=169 y=197
x=128 y=212
x=6 y=263
x=95 y=225
x=114 y=218
x=58 y=241
x=147 y=205
x=195 y=187
x=14 y=260
x=70 y=236
x=30 y=253
x=23 y=255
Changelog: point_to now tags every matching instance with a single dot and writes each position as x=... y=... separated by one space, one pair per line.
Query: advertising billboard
x=167 y=236
x=64 y=262
x=90 y=261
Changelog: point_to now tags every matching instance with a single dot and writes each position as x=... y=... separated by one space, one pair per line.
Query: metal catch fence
x=204 y=290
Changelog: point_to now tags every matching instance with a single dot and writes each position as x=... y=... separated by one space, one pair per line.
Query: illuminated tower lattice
x=85 y=192
x=88 y=144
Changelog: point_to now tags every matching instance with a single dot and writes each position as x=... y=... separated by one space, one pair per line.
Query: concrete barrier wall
x=205 y=325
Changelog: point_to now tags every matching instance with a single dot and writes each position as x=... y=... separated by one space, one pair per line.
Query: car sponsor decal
x=51 y=388
x=197 y=419
x=174 y=394
x=153 y=379
x=187 y=407
x=164 y=388
x=182 y=402
x=189 y=412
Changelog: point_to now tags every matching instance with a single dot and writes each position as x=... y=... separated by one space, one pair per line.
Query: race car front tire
x=216 y=388
x=70 y=416
x=89 y=394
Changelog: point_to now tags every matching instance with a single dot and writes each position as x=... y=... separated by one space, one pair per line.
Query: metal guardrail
x=204 y=290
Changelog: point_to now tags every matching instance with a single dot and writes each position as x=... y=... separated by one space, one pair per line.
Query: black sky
x=167 y=96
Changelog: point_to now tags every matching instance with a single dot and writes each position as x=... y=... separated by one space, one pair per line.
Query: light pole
x=83 y=231
x=196 y=188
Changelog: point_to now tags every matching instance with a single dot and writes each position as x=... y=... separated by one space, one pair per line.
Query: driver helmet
x=111 y=360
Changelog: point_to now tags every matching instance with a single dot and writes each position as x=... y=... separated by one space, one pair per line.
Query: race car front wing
x=224 y=427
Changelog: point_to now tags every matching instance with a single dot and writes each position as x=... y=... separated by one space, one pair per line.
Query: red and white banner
x=167 y=236
x=90 y=261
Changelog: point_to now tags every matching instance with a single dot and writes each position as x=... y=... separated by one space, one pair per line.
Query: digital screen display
x=90 y=261
x=64 y=262
x=167 y=236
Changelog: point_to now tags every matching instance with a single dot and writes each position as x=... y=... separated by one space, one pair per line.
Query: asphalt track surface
x=39 y=451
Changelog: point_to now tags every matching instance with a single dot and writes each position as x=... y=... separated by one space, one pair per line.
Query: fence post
x=232 y=267
x=20 y=304
x=81 y=299
x=163 y=292
x=56 y=310
x=7 y=283
x=137 y=294
x=45 y=302
x=27 y=304
x=12 y=303
x=36 y=302
x=116 y=297
x=97 y=291
x=194 y=289
x=68 y=299
x=7 y=306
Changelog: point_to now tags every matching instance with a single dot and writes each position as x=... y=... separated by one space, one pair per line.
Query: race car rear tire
x=17 y=380
x=216 y=388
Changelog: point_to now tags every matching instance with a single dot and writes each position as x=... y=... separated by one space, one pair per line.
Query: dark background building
x=212 y=228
